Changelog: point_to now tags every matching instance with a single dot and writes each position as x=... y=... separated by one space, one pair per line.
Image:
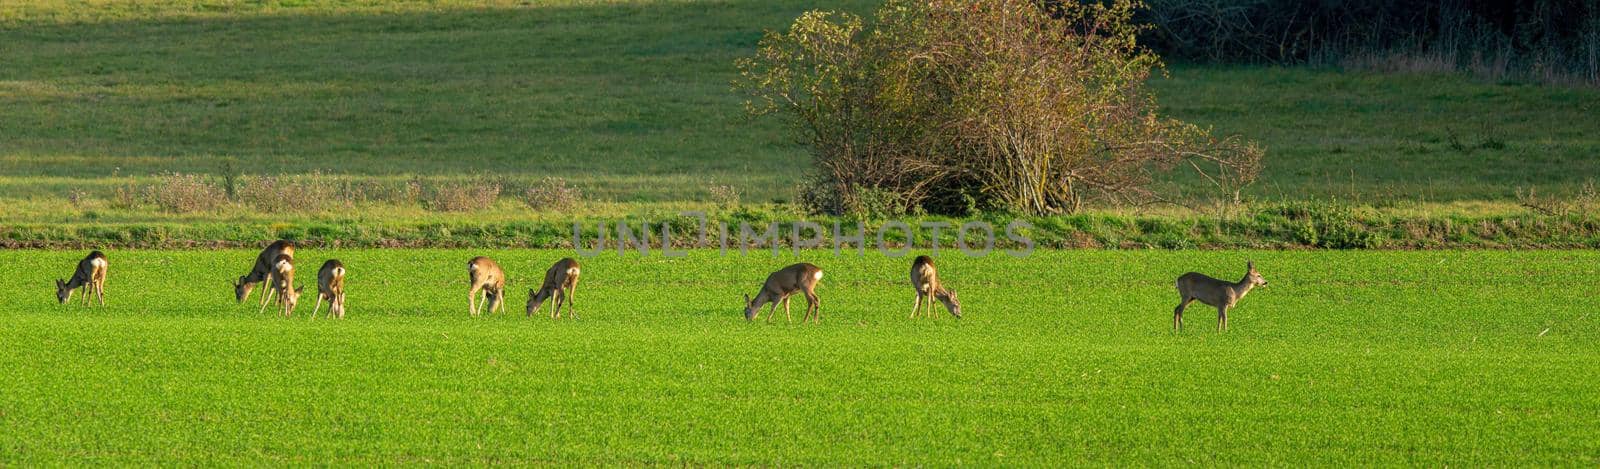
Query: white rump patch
x=472 y=266
x=98 y=262
x=572 y=271
x=338 y=271
x=819 y=275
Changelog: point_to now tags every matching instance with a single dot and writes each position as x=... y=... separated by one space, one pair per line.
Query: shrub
x=996 y=104
x=185 y=193
x=552 y=194
x=463 y=196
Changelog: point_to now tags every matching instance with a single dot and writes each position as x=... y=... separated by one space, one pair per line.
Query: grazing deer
x=560 y=281
x=330 y=285
x=925 y=279
x=281 y=284
x=485 y=275
x=1219 y=293
x=802 y=277
x=262 y=270
x=91 y=275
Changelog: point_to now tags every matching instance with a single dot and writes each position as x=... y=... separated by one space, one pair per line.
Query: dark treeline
x=1546 y=40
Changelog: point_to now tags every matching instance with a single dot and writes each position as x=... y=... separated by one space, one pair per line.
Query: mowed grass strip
x=1394 y=358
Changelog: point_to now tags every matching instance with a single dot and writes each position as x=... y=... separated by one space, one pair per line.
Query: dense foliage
x=1544 y=39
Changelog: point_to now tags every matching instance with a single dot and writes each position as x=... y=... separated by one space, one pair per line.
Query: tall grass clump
x=552 y=194
x=313 y=192
x=185 y=193
x=461 y=196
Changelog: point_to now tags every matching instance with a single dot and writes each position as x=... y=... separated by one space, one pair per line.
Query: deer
x=91 y=276
x=281 y=284
x=1219 y=293
x=925 y=279
x=262 y=271
x=330 y=285
x=802 y=277
x=560 y=281
x=485 y=275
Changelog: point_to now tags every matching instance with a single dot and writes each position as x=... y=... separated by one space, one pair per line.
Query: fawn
x=330 y=285
x=262 y=270
x=281 y=284
x=925 y=279
x=1219 y=293
x=485 y=275
x=802 y=277
x=91 y=275
x=560 y=281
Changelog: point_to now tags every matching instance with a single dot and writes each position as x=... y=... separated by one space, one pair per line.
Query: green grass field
x=631 y=101
x=1438 y=358
x=1348 y=358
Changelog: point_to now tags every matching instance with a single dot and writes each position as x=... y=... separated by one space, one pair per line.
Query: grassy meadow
x=630 y=101
x=1345 y=358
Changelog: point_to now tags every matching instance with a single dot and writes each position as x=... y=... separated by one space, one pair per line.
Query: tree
x=944 y=104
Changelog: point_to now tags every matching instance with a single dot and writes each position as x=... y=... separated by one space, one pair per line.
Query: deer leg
x=814 y=305
x=100 y=291
x=1177 y=314
x=472 y=301
x=786 y=316
x=917 y=306
x=572 y=308
x=265 y=299
x=268 y=294
x=555 y=310
x=319 y=306
x=1222 y=318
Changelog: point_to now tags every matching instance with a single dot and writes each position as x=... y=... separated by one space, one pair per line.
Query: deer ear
x=60 y=283
x=747 y=298
x=1250 y=265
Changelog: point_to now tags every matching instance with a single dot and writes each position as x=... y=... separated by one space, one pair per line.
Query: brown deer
x=560 y=281
x=281 y=285
x=485 y=275
x=91 y=276
x=1219 y=293
x=802 y=277
x=925 y=279
x=330 y=285
x=262 y=270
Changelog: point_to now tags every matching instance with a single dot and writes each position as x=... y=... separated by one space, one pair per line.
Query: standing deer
x=560 y=281
x=330 y=285
x=281 y=284
x=925 y=279
x=485 y=275
x=91 y=275
x=1219 y=293
x=262 y=271
x=802 y=277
